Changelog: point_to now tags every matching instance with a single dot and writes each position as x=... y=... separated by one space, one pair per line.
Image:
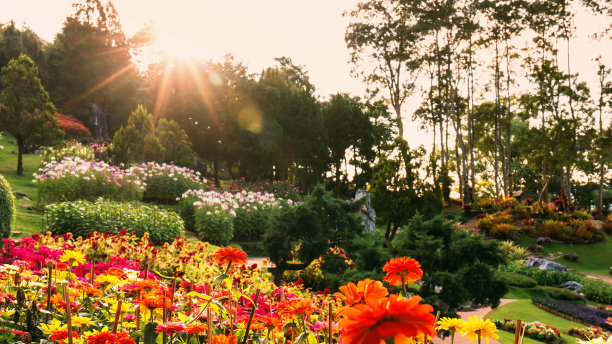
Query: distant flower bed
x=280 y=189
x=72 y=126
x=589 y=315
x=221 y=216
x=535 y=330
x=82 y=217
x=508 y=218
x=164 y=183
x=74 y=178
x=71 y=148
x=591 y=332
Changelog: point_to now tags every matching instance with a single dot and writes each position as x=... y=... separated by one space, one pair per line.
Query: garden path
x=600 y=277
x=480 y=312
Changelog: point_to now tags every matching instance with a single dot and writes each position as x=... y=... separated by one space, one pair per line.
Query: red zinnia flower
x=405 y=268
x=170 y=327
x=377 y=319
x=230 y=254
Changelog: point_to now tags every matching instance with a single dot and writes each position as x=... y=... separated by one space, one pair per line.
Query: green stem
x=452 y=336
x=404 y=285
x=479 y=337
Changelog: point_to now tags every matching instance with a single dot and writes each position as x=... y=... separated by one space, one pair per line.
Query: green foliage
x=562 y=294
x=397 y=190
x=82 y=217
x=516 y=279
x=7 y=208
x=543 y=277
x=597 y=290
x=71 y=148
x=214 y=225
x=174 y=142
x=137 y=142
x=25 y=109
x=461 y=264
x=251 y=226
x=310 y=229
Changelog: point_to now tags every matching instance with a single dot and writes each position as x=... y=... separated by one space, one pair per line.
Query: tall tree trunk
x=471 y=123
x=20 y=149
x=601 y=153
x=509 y=126
x=496 y=130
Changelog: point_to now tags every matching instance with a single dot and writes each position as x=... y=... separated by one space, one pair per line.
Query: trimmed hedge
x=562 y=294
x=82 y=217
x=516 y=279
x=7 y=208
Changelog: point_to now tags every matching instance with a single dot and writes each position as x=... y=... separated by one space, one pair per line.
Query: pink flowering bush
x=221 y=216
x=74 y=178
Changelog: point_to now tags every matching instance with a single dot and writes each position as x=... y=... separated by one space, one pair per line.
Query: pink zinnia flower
x=170 y=327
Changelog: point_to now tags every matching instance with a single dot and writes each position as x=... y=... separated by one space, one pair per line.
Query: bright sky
x=255 y=32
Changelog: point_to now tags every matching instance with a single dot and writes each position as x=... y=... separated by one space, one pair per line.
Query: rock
x=369 y=215
x=545 y=264
x=571 y=285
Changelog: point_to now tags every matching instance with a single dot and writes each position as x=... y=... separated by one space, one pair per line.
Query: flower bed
x=589 y=333
x=280 y=189
x=83 y=217
x=71 y=148
x=535 y=330
x=72 y=126
x=74 y=178
x=220 y=216
x=119 y=289
x=165 y=183
x=583 y=314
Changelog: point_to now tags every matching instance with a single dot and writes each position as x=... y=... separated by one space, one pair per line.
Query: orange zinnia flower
x=405 y=268
x=230 y=254
x=292 y=307
x=148 y=285
x=223 y=339
x=352 y=294
x=196 y=328
x=151 y=302
x=377 y=319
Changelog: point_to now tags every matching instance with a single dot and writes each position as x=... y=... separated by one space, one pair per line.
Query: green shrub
x=562 y=294
x=597 y=290
x=213 y=225
x=251 y=226
x=7 y=208
x=516 y=279
x=504 y=231
x=82 y=217
x=544 y=277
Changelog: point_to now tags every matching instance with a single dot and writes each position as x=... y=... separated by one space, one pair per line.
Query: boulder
x=545 y=264
x=571 y=285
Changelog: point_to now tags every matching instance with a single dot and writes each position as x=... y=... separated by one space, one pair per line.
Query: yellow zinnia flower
x=107 y=279
x=476 y=329
x=55 y=325
x=72 y=257
x=450 y=324
x=80 y=321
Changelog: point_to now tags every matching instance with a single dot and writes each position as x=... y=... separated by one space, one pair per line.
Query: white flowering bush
x=71 y=148
x=218 y=217
x=164 y=183
x=74 y=178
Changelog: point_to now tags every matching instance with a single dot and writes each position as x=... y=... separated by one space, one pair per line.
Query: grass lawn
x=526 y=311
x=593 y=258
x=28 y=221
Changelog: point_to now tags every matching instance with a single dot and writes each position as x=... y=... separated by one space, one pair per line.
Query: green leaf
x=149 y=333
x=137 y=334
x=219 y=279
x=287 y=326
x=301 y=338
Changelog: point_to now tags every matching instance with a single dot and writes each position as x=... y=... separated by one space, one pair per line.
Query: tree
x=310 y=229
x=14 y=42
x=383 y=35
x=174 y=142
x=90 y=62
x=137 y=141
x=25 y=109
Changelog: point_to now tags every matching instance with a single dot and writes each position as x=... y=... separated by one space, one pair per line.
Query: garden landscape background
x=447 y=181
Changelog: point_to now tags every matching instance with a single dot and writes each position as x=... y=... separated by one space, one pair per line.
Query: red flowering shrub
x=72 y=126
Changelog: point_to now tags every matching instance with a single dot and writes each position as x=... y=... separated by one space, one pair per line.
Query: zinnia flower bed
x=585 y=314
x=535 y=330
x=119 y=289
